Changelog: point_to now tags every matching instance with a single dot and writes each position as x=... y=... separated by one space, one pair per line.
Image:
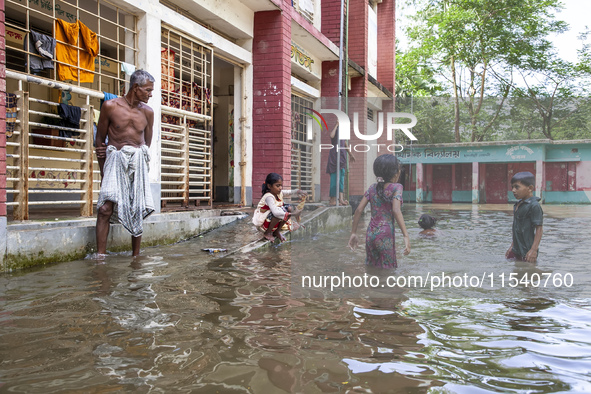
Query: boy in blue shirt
x=527 y=219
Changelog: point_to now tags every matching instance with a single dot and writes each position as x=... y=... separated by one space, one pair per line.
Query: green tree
x=474 y=45
x=559 y=91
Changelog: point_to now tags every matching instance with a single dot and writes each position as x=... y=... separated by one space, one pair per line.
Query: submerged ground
x=181 y=319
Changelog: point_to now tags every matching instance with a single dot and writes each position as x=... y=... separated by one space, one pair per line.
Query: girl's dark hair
x=269 y=180
x=385 y=167
x=427 y=221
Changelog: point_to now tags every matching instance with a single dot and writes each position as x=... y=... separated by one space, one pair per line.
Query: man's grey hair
x=141 y=77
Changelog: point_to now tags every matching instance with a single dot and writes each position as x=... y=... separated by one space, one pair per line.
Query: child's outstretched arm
x=354 y=240
x=400 y=220
x=532 y=255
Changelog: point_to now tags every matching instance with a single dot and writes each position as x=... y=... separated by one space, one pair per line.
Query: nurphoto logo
x=344 y=123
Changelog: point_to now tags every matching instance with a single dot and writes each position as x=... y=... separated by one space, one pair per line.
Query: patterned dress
x=380 y=246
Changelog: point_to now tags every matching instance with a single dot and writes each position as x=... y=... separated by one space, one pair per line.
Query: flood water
x=179 y=319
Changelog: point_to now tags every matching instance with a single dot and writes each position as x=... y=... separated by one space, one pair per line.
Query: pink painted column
x=420 y=182
x=271 y=115
x=475 y=183
x=540 y=179
x=3 y=213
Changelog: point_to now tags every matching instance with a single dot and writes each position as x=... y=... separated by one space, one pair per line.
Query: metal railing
x=44 y=167
x=186 y=157
x=302 y=167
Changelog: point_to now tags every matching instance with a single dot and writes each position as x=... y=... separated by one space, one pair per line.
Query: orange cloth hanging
x=84 y=58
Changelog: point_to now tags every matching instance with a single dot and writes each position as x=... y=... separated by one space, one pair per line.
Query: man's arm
x=101 y=135
x=334 y=130
x=351 y=157
x=150 y=127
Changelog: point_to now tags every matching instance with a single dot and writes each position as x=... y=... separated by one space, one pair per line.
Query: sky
x=575 y=13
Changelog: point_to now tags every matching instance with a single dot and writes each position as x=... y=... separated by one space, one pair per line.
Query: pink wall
x=584 y=175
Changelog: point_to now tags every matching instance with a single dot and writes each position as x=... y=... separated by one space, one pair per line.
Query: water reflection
x=183 y=320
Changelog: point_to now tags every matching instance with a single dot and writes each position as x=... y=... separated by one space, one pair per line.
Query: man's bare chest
x=134 y=121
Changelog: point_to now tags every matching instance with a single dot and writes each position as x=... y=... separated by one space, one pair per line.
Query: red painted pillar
x=271 y=98
x=2 y=117
x=475 y=183
x=420 y=183
x=331 y=20
x=3 y=218
x=540 y=179
x=357 y=103
x=386 y=46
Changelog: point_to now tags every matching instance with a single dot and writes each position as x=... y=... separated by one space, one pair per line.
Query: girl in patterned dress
x=385 y=198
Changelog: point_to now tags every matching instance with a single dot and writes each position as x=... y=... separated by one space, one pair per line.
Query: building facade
x=235 y=85
x=480 y=173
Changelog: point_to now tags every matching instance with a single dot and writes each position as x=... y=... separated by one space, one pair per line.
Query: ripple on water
x=177 y=319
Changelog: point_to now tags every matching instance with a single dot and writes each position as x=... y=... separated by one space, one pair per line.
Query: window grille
x=49 y=165
x=115 y=29
x=187 y=83
x=301 y=148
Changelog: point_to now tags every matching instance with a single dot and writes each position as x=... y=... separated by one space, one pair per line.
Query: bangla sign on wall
x=300 y=57
x=468 y=154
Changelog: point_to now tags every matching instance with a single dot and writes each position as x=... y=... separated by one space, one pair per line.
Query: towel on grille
x=43 y=46
x=70 y=117
x=126 y=184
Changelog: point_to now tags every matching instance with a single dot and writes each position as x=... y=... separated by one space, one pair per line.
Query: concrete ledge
x=324 y=219
x=36 y=243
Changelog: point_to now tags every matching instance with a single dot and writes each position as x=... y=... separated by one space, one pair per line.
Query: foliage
x=476 y=49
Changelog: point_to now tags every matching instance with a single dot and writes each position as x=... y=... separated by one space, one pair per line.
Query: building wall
x=562 y=170
x=2 y=135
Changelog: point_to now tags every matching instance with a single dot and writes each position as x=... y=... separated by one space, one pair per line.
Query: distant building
x=235 y=82
x=480 y=173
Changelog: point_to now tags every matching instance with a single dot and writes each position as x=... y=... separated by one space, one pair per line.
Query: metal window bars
x=187 y=107
x=115 y=28
x=302 y=164
x=44 y=167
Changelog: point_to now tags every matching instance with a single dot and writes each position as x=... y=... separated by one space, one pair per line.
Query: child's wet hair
x=271 y=179
x=427 y=221
x=385 y=167
x=526 y=178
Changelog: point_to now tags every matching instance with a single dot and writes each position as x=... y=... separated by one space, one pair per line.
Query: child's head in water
x=427 y=221
x=273 y=184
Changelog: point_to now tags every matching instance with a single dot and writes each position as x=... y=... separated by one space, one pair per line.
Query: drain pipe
x=346 y=90
x=243 y=139
x=340 y=100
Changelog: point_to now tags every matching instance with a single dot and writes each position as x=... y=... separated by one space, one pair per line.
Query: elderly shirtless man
x=125 y=195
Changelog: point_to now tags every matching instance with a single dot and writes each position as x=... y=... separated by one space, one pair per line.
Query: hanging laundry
x=11 y=112
x=70 y=118
x=96 y=114
x=108 y=96
x=127 y=68
x=66 y=51
x=42 y=49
